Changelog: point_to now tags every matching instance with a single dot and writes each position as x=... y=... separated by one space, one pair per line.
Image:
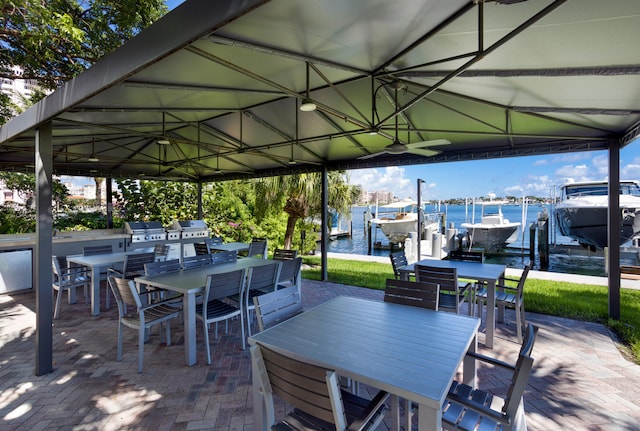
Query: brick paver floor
x=580 y=380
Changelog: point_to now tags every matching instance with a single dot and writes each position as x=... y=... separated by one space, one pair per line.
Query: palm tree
x=300 y=197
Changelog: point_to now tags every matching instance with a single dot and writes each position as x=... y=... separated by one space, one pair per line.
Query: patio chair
x=133 y=265
x=467 y=408
x=161 y=251
x=510 y=297
x=277 y=306
x=452 y=293
x=196 y=261
x=290 y=273
x=162 y=267
x=224 y=257
x=66 y=278
x=466 y=255
x=283 y=254
x=201 y=248
x=215 y=308
x=260 y=280
x=144 y=316
x=414 y=293
x=258 y=248
x=398 y=260
x=314 y=393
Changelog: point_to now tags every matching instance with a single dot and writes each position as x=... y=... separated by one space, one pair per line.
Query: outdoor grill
x=191 y=228
x=142 y=231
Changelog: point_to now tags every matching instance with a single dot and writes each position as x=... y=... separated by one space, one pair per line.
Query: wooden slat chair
x=201 y=248
x=466 y=408
x=133 y=266
x=91 y=250
x=510 y=297
x=260 y=280
x=162 y=267
x=144 y=316
x=452 y=293
x=215 y=308
x=283 y=254
x=161 y=251
x=66 y=278
x=197 y=261
x=466 y=255
x=398 y=260
x=258 y=248
x=224 y=257
x=290 y=273
x=314 y=392
x=414 y=293
x=277 y=306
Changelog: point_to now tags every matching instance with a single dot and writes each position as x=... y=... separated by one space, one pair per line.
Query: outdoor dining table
x=489 y=273
x=189 y=283
x=98 y=263
x=410 y=352
x=230 y=246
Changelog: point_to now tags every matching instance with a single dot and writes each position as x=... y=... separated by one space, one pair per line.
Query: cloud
x=389 y=179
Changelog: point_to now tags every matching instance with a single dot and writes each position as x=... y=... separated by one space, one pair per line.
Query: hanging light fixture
x=292 y=160
x=164 y=140
x=217 y=171
x=307 y=104
x=93 y=157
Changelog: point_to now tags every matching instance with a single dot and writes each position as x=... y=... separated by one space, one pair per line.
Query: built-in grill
x=142 y=231
x=191 y=228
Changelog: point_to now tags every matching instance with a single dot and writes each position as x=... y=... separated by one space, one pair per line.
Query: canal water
x=516 y=255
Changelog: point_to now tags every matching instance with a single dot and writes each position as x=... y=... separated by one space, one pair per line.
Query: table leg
x=500 y=317
x=395 y=412
x=469 y=372
x=72 y=292
x=95 y=290
x=429 y=418
x=491 y=313
x=189 y=315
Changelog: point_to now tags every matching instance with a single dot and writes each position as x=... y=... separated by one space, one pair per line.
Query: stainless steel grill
x=191 y=228
x=142 y=231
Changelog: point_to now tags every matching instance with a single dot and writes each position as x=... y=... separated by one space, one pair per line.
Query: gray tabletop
x=411 y=352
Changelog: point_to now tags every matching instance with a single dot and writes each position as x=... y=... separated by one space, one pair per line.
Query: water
x=515 y=256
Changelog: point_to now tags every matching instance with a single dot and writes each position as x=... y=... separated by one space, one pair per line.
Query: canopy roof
x=221 y=83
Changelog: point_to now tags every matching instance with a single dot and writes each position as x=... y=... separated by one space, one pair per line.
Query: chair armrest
x=501 y=286
x=373 y=408
x=479 y=408
x=490 y=360
x=166 y=302
x=115 y=271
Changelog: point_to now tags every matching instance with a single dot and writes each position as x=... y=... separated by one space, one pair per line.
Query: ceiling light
x=93 y=158
x=307 y=105
x=292 y=162
x=163 y=142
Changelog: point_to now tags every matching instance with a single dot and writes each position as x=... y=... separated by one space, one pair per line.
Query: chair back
x=162 y=266
x=224 y=285
x=97 y=249
x=277 y=306
x=216 y=240
x=447 y=278
x=65 y=276
x=521 y=375
x=134 y=263
x=414 y=293
x=398 y=260
x=466 y=255
x=224 y=257
x=196 y=261
x=282 y=254
x=201 y=248
x=263 y=278
x=161 y=251
x=258 y=247
x=290 y=270
x=125 y=293
x=304 y=386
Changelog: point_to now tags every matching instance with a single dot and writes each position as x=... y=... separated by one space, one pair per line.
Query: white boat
x=494 y=231
x=398 y=219
x=582 y=212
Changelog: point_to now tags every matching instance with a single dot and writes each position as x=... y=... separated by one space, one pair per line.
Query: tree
x=51 y=41
x=299 y=196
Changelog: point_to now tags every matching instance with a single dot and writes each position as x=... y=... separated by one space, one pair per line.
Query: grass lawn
x=571 y=300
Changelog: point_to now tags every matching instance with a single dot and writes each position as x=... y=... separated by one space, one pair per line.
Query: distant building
x=18 y=90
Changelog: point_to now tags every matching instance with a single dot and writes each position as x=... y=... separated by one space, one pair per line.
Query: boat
x=582 y=212
x=398 y=219
x=494 y=232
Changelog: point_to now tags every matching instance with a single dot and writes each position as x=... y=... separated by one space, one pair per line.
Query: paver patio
x=580 y=380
